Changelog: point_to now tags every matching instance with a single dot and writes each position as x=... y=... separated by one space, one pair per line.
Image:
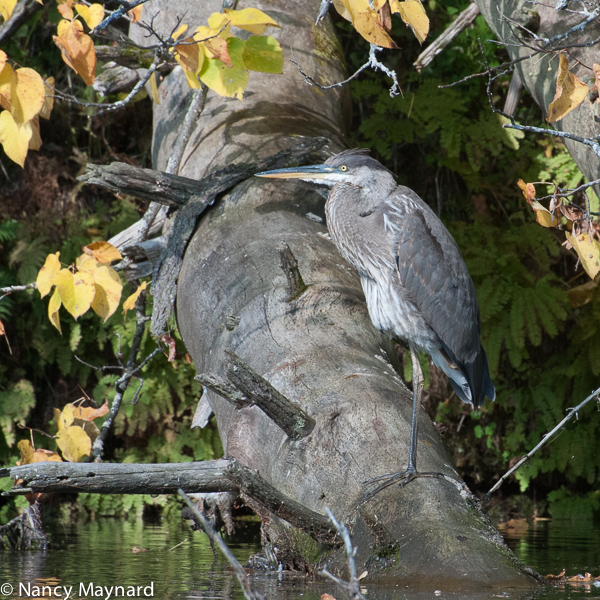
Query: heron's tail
x=471 y=381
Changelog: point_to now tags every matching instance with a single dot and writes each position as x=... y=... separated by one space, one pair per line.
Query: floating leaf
x=129 y=304
x=6 y=8
x=588 y=252
x=224 y=80
x=53 y=308
x=74 y=443
x=250 y=19
x=45 y=278
x=14 y=137
x=263 y=54
x=93 y=15
x=570 y=92
x=76 y=291
x=103 y=252
x=414 y=15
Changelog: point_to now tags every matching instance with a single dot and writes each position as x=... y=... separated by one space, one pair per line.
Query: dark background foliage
x=450 y=148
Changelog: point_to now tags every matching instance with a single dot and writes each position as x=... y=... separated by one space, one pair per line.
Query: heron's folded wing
x=434 y=275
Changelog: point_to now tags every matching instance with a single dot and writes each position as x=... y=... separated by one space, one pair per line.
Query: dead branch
x=222 y=388
x=114 y=478
x=253 y=485
x=547 y=437
x=463 y=20
x=282 y=411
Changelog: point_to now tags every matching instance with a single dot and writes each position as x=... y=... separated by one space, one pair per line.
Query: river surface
x=169 y=561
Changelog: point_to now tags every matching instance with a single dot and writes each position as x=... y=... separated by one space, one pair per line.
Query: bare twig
x=350 y=588
x=372 y=62
x=249 y=592
x=545 y=440
x=117 y=14
x=18 y=288
x=323 y=10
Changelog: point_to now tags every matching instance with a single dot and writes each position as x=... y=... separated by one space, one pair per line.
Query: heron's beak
x=311 y=172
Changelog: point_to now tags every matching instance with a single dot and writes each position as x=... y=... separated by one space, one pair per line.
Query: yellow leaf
x=76 y=291
x=108 y=292
x=414 y=15
x=216 y=22
x=588 y=252
x=93 y=15
x=154 y=89
x=342 y=10
x=190 y=56
x=14 y=137
x=3 y=59
x=59 y=419
x=103 y=252
x=53 y=308
x=27 y=451
x=180 y=31
x=64 y=8
x=6 y=8
x=35 y=143
x=29 y=95
x=49 y=99
x=42 y=455
x=129 y=304
x=570 y=92
x=45 y=278
x=87 y=413
x=227 y=81
x=366 y=21
x=77 y=49
x=136 y=13
x=250 y=19
x=7 y=85
x=543 y=216
x=68 y=414
x=528 y=190
x=74 y=443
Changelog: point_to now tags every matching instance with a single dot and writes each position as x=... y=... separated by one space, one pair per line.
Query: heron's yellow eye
x=343 y=168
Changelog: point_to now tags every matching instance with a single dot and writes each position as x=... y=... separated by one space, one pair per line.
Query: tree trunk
x=318 y=349
x=539 y=73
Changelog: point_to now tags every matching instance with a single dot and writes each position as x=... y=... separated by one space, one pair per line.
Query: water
x=177 y=563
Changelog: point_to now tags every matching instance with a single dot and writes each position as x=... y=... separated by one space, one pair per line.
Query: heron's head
x=353 y=167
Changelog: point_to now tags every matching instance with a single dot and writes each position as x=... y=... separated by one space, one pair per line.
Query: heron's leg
x=417 y=378
x=405 y=477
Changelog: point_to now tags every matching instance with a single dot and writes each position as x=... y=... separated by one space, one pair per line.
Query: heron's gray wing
x=432 y=271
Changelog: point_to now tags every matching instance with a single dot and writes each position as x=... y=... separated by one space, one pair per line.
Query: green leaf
x=227 y=81
x=263 y=53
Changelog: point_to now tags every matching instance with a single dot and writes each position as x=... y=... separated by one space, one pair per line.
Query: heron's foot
x=404 y=477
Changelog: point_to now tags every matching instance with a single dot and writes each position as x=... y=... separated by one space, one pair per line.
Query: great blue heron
x=415 y=280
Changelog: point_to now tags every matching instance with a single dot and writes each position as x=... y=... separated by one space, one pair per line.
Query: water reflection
x=179 y=563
